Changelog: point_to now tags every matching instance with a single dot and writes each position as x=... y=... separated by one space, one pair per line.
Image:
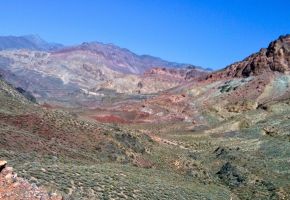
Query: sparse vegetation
x=209 y=139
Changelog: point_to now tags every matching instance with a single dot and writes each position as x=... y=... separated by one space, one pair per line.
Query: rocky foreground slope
x=15 y=188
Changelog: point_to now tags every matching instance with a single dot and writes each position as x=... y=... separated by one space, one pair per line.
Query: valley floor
x=236 y=155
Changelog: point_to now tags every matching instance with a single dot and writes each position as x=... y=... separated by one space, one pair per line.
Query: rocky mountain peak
x=274 y=58
x=279 y=53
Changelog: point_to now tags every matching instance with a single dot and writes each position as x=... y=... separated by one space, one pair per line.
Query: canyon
x=96 y=121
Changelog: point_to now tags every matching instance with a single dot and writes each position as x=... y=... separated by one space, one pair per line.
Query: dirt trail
x=165 y=141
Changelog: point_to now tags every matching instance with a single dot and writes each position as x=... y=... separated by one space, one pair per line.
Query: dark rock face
x=27 y=94
x=230 y=175
x=2 y=164
x=140 y=85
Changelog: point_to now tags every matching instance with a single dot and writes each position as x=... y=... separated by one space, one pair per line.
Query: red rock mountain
x=274 y=58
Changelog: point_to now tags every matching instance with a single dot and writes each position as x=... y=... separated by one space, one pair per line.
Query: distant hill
x=121 y=59
x=31 y=42
x=52 y=72
x=114 y=57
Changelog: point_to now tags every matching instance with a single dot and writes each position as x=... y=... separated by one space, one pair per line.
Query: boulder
x=2 y=164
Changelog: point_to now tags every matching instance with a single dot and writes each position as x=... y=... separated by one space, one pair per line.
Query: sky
x=208 y=33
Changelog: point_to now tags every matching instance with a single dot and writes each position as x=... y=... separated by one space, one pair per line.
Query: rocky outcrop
x=15 y=188
x=231 y=175
x=27 y=94
x=274 y=58
x=2 y=164
x=181 y=73
x=178 y=73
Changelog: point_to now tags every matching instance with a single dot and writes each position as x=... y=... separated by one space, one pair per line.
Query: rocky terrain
x=273 y=58
x=80 y=76
x=79 y=158
x=119 y=59
x=12 y=187
x=219 y=135
x=190 y=72
x=226 y=115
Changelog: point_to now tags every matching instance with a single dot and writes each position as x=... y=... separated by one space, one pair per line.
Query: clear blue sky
x=202 y=32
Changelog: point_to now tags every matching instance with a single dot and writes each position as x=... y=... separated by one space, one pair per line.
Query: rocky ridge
x=274 y=58
x=187 y=73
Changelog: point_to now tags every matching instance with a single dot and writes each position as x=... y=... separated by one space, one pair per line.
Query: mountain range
x=31 y=42
x=68 y=75
x=116 y=58
x=95 y=121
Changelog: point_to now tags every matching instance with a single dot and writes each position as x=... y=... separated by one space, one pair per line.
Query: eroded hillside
x=225 y=135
